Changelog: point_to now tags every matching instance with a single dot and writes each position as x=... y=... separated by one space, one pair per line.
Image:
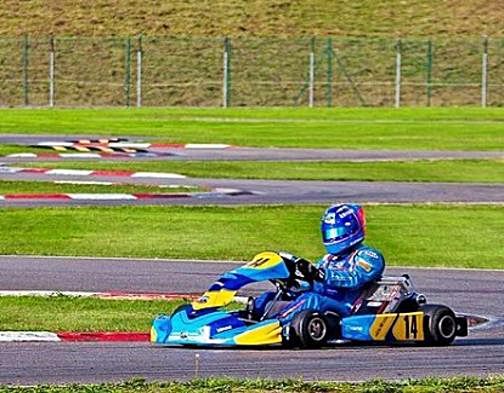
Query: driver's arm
x=309 y=272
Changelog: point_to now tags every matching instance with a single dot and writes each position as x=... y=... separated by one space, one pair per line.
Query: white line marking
x=102 y=197
x=47 y=293
x=206 y=146
x=158 y=175
x=11 y=336
x=226 y=190
x=10 y=169
x=22 y=155
x=69 y=172
x=130 y=145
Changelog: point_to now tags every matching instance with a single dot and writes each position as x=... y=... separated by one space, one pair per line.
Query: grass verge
x=226 y=385
x=359 y=128
x=12 y=149
x=482 y=171
x=34 y=187
x=62 y=313
x=408 y=235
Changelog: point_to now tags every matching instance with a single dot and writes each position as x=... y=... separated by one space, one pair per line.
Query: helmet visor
x=331 y=234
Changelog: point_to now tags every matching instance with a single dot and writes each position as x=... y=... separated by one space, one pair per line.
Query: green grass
x=484 y=171
x=12 y=149
x=493 y=384
x=408 y=235
x=62 y=313
x=34 y=187
x=365 y=128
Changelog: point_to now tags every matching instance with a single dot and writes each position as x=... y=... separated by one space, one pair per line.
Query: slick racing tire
x=440 y=324
x=311 y=329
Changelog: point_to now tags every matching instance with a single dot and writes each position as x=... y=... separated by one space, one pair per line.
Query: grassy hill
x=252 y=17
x=270 y=42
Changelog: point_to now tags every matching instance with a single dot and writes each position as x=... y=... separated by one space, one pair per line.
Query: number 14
x=410 y=323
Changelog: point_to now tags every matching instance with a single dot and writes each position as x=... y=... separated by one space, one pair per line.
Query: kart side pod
x=433 y=324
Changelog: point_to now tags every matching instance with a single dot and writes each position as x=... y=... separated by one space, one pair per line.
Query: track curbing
x=44 y=336
x=120 y=196
x=94 y=173
x=103 y=336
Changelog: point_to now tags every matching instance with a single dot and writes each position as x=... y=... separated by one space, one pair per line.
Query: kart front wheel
x=440 y=324
x=311 y=329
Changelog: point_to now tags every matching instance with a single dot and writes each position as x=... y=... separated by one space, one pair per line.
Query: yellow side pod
x=211 y=299
x=153 y=335
x=405 y=326
x=262 y=335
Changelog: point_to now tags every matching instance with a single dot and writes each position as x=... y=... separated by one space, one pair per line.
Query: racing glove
x=310 y=271
x=307 y=270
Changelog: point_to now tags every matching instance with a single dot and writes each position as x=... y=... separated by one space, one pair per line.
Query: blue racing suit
x=343 y=277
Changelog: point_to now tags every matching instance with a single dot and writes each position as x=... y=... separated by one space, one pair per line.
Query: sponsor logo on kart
x=203 y=299
x=223 y=329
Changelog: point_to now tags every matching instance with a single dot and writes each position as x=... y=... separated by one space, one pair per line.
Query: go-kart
x=387 y=311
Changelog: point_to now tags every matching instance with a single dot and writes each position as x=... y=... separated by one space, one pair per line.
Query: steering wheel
x=300 y=269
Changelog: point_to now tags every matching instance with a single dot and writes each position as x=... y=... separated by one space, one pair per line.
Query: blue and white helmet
x=343 y=226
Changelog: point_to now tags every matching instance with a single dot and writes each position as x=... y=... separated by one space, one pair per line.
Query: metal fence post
x=51 y=72
x=139 y=73
x=226 y=83
x=24 y=59
x=311 y=86
x=484 y=74
x=329 y=50
x=429 y=72
x=127 y=70
x=398 y=75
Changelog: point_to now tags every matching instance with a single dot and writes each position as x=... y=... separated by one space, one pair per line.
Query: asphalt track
x=256 y=154
x=473 y=292
x=470 y=291
x=284 y=154
x=286 y=191
x=278 y=191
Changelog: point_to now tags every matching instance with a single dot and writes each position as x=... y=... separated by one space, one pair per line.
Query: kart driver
x=339 y=276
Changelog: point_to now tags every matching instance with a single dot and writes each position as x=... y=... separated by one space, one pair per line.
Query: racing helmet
x=343 y=226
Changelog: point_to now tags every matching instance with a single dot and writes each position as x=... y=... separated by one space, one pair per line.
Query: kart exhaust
x=420 y=299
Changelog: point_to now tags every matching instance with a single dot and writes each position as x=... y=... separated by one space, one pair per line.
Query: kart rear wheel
x=440 y=324
x=311 y=329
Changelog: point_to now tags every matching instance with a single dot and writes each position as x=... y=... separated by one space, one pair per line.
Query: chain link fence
x=163 y=71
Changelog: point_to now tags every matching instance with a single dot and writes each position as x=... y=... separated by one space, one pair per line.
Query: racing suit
x=338 y=283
